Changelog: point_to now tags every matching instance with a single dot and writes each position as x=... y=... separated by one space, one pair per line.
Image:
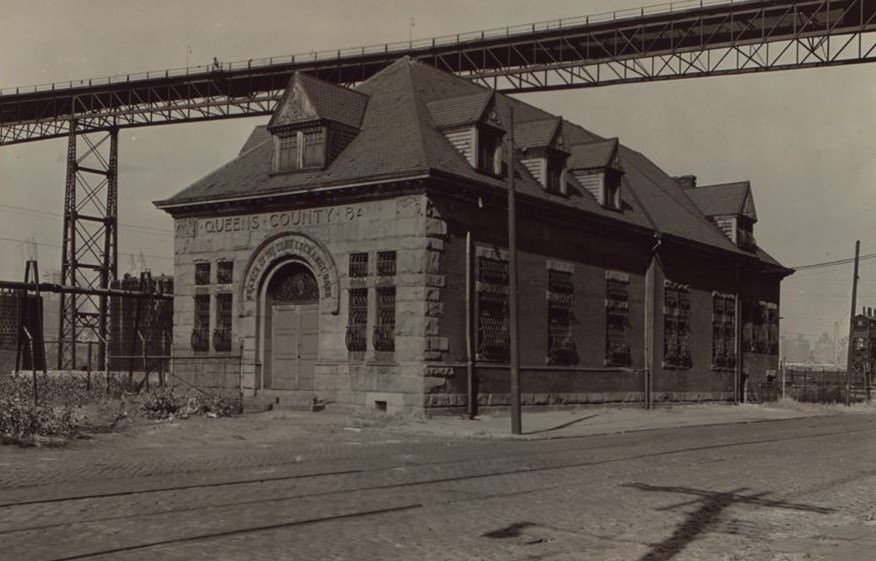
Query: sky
x=804 y=138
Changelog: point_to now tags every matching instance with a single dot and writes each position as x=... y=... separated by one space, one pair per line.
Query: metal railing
x=383 y=48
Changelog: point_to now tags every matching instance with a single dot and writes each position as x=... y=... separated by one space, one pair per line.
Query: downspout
x=469 y=354
x=737 y=373
x=650 y=319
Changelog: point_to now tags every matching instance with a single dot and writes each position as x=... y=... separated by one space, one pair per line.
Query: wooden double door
x=292 y=338
x=295 y=345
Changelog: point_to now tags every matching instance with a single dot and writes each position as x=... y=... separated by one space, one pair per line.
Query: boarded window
x=676 y=326
x=358 y=265
x=384 y=331
x=357 y=320
x=222 y=333
x=201 y=331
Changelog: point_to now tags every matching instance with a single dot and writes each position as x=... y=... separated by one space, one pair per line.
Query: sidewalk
x=612 y=420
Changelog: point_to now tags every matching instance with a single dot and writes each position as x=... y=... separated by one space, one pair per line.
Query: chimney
x=687 y=181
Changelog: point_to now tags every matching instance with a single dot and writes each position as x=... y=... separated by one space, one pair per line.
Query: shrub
x=22 y=422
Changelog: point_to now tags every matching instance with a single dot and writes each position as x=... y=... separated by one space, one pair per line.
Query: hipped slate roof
x=594 y=155
x=536 y=134
x=462 y=110
x=318 y=100
x=724 y=199
x=404 y=106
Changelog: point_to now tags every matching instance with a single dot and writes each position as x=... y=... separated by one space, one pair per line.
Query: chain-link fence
x=819 y=386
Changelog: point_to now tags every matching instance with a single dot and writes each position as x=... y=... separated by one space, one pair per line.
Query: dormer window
x=612 y=189
x=313 y=123
x=471 y=124
x=597 y=169
x=489 y=141
x=544 y=152
x=730 y=206
x=300 y=149
x=556 y=172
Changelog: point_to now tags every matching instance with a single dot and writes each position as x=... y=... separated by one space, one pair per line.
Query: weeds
x=164 y=404
x=62 y=401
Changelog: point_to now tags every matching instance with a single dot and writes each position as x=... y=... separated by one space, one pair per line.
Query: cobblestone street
x=775 y=491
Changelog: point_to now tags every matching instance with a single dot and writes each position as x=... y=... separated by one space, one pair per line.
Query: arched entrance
x=291 y=327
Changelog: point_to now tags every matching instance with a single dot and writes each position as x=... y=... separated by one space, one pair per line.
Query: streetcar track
x=398 y=485
x=250 y=530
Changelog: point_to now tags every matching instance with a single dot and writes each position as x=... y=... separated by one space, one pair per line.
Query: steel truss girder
x=737 y=38
x=90 y=241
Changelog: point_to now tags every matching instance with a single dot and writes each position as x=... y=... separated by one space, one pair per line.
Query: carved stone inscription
x=294 y=246
x=280 y=220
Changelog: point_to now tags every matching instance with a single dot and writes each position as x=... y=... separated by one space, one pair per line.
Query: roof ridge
x=418 y=108
x=746 y=183
x=700 y=217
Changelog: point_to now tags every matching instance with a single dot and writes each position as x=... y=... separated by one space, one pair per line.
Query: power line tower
x=90 y=243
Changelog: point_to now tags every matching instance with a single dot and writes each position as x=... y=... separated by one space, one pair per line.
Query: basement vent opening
x=380 y=406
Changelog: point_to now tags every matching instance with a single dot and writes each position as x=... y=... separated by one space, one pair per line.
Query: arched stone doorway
x=291 y=327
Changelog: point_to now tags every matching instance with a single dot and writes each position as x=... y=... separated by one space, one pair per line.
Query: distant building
x=864 y=340
x=14 y=313
x=140 y=328
x=357 y=250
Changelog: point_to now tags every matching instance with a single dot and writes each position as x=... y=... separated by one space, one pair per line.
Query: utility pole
x=516 y=426
x=851 y=349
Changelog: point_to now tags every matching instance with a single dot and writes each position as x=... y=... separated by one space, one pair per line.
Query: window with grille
x=224 y=272
x=676 y=326
x=222 y=333
x=386 y=263
x=492 y=309
x=723 y=332
x=384 y=331
x=561 y=297
x=617 y=309
x=358 y=265
x=492 y=271
x=357 y=320
x=765 y=328
x=202 y=273
x=201 y=331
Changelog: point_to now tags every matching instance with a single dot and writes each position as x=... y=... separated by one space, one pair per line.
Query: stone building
x=356 y=251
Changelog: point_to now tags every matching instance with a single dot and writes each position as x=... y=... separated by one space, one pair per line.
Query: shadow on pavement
x=712 y=504
x=510 y=531
x=561 y=426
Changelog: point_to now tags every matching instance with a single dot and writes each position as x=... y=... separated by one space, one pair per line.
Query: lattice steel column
x=90 y=243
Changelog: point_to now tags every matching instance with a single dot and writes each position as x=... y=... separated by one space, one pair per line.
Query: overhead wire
x=49 y=214
x=834 y=263
x=5 y=239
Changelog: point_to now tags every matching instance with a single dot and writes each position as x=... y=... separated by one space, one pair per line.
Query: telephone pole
x=516 y=425
x=851 y=353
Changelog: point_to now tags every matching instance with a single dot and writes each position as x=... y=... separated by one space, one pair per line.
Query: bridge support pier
x=90 y=241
